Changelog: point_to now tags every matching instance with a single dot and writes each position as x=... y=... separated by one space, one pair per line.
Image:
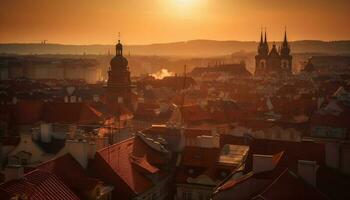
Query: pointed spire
x=285 y=34
x=285 y=48
x=261 y=36
x=265 y=36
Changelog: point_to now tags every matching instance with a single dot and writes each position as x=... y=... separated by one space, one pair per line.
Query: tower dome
x=119 y=61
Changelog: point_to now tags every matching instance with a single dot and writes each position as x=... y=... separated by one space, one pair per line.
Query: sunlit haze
x=155 y=21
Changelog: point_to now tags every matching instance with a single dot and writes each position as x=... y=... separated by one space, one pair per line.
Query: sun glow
x=185 y=2
x=184 y=8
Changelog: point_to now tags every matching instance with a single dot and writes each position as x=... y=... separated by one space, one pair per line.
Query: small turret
x=119 y=49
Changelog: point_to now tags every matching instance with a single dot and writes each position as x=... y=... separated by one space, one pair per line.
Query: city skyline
x=145 y=22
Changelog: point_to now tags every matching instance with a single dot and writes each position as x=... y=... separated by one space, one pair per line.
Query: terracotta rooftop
x=289 y=186
x=36 y=185
x=123 y=165
x=71 y=173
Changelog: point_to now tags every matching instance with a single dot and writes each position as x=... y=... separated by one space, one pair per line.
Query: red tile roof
x=71 y=173
x=70 y=113
x=233 y=182
x=120 y=164
x=333 y=183
x=31 y=112
x=288 y=186
x=38 y=184
x=142 y=163
x=293 y=151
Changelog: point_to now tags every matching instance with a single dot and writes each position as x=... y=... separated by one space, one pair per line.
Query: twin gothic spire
x=263 y=48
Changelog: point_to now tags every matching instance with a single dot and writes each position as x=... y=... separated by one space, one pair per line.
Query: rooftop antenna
x=118 y=37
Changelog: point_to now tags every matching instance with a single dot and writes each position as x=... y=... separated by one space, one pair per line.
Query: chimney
x=72 y=131
x=45 y=132
x=205 y=141
x=79 y=150
x=307 y=170
x=13 y=172
x=263 y=163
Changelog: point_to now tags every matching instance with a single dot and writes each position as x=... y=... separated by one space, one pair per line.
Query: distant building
x=277 y=61
x=39 y=68
x=309 y=67
x=235 y=69
x=119 y=82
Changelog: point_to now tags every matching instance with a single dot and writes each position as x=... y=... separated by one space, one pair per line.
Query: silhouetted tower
x=286 y=58
x=261 y=58
x=119 y=82
x=275 y=60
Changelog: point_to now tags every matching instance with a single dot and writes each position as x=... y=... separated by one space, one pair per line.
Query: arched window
x=262 y=64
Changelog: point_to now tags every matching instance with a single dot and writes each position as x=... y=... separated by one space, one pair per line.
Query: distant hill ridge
x=187 y=48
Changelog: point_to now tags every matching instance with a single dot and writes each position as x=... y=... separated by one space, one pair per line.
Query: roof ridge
x=116 y=144
x=271 y=184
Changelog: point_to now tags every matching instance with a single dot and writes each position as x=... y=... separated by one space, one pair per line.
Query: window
x=24 y=161
x=186 y=195
x=262 y=64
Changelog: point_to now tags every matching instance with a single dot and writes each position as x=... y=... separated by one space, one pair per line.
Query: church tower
x=261 y=58
x=275 y=61
x=119 y=82
x=286 y=58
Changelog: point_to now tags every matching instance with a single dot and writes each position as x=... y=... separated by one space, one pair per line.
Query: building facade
x=274 y=61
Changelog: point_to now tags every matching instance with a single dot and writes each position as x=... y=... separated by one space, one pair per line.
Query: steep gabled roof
x=125 y=164
x=293 y=151
x=38 y=184
x=288 y=186
x=72 y=174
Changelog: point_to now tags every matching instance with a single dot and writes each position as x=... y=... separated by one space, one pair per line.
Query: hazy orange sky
x=153 y=21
